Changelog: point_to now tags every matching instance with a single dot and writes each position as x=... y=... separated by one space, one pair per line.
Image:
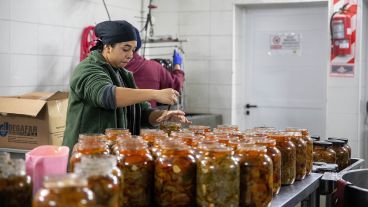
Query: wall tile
x=196 y=95
x=23 y=70
x=226 y=114
x=167 y=5
x=25 y=10
x=23 y=38
x=196 y=71
x=17 y=90
x=79 y=14
x=71 y=41
x=221 y=5
x=342 y=125
x=221 y=72
x=221 y=23
x=50 y=12
x=342 y=100
x=50 y=40
x=194 y=5
x=5 y=36
x=166 y=23
x=4 y=70
x=5 y=9
x=220 y=96
x=221 y=47
x=53 y=70
x=197 y=47
x=194 y=23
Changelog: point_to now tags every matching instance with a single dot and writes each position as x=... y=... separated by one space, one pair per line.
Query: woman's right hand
x=167 y=96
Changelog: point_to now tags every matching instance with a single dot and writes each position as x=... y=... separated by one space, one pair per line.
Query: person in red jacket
x=149 y=74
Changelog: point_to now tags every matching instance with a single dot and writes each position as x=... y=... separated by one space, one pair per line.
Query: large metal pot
x=356 y=190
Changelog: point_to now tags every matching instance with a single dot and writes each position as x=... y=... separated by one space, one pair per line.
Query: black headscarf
x=110 y=32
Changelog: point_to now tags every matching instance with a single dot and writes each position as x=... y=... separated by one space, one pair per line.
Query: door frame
x=239 y=23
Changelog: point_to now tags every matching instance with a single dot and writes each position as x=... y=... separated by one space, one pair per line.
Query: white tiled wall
x=207 y=25
x=40 y=39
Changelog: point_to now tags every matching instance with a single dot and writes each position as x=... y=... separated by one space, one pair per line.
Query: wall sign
x=285 y=44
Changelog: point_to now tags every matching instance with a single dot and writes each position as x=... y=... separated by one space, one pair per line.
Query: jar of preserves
x=288 y=156
x=101 y=180
x=323 y=153
x=301 y=155
x=224 y=127
x=67 y=190
x=169 y=126
x=175 y=176
x=346 y=144
x=342 y=153
x=15 y=185
x=149 y=135
x=275 y=156
x=113 y=133
x=256 y=177
x=217 y=178
x=88 y=144
x=136 y=162
x=199 y=129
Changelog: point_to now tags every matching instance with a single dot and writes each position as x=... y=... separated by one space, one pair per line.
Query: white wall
x=40 y=39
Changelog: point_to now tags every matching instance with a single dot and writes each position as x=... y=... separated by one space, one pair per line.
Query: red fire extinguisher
x=341 y=32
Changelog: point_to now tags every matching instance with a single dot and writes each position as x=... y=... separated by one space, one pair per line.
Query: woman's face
x=119 y=55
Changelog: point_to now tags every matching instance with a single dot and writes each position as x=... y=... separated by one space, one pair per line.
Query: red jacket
x=149 y=74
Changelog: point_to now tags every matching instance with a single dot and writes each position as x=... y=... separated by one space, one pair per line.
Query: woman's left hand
x=175 y=115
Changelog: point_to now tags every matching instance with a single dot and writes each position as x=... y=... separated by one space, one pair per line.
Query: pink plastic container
x=46 y=160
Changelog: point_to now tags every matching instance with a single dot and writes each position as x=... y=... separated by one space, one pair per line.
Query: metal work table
x=291 y=195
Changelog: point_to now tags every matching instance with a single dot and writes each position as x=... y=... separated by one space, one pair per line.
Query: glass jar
x=149 y=135
x=227 y=128
x=256 y=177
x=342 y=153
x=67 y=190
x=113 y=133
x=275 y=156
x=88 y=144
x=346 y=144
x=323 y=153
x=15 y=185
x=99 y=174
x=288 y=156
x=175 y=176
x=217 y=178
x=199 y=129
x=169 y=126
x=136 y=162
x=301 y=155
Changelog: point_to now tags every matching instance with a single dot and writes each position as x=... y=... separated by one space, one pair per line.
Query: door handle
x=247 y=106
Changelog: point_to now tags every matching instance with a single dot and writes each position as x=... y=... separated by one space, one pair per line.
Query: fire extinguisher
x=341 y=32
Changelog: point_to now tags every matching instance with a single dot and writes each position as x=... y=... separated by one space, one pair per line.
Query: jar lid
x=322 y=143
x=336 y=138
x=316 y=137
x=336 y=142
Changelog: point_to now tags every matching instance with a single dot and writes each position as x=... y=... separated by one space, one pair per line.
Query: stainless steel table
x=306 y=189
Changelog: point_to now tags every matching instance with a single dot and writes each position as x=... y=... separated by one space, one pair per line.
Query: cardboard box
x=32 y=119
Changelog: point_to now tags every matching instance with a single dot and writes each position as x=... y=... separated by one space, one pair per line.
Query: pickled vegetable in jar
x=275 y=156
x=288 y=156
x=323 y=153
x=15 y=185
x=342 y=153
x=175 y=176
x=149 y=135
x=67 y=190
x=199 y=129
x=226 y=128
x=217 y=178
x=88 y=144
x=136 y=162
x=101 y=180
x=169 y=126
x=256 y=176
x=346 y=144
x=113 y=133
x=301 y=155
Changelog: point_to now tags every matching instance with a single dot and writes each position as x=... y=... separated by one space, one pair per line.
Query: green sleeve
x=88 y=82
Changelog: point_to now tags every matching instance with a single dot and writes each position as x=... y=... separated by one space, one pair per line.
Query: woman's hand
x=166 y=96
x=175 y=115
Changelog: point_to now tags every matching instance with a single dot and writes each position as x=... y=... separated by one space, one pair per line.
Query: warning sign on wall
x=285 y=44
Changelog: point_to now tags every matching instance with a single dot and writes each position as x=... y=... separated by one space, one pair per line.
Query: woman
x=103 y=94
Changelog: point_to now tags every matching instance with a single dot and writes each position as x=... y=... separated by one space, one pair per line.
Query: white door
x=287 y=85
